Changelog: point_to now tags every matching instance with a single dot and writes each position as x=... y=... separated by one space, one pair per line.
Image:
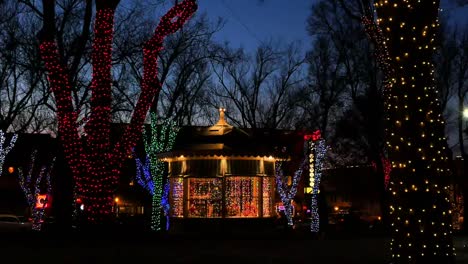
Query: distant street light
x=465 y=113
x=465 y=116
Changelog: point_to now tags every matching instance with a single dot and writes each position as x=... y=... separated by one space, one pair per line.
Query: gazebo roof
x=223 y=139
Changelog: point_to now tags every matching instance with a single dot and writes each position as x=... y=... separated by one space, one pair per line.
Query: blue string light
x=286 y=192
x=143 y=174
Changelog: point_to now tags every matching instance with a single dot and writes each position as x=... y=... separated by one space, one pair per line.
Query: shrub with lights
x=31 y=183
x=405 y=35
x=96 y=163
x=5 y=148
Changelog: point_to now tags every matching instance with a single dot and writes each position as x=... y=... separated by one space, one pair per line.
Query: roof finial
x=222 y=118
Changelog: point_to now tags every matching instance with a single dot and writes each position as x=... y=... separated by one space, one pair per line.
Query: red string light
x=94 y=163
x=316 y=135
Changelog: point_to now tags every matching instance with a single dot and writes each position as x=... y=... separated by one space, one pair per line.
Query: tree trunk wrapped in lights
x=4 y=149
x=286 y=192
x=32 y=187
x=317 y=151
x=165 y=204
x=144 y=179
x=162 y=139
x=406 y=38
x=94 y=162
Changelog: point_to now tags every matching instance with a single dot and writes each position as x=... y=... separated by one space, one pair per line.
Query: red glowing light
x=316 y=135
x=95 y=164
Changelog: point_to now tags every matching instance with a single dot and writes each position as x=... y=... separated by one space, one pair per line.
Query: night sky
x=249 y=22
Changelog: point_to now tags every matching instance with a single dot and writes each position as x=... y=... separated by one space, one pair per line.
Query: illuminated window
x=177 y=197
x=205 y=197
x=242 y=194
x=267 y=189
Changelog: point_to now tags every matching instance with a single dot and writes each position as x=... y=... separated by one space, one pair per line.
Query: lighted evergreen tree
x=5 y=148
x=161 y=140
x=94 y=162
x=405 y=38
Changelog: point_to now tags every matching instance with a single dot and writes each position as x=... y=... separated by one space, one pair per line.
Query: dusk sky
x=248 y=22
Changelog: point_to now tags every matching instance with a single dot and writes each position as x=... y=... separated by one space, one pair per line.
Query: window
x=242 y=194
x=267 y=189
x=177 y=197
x=205 y=197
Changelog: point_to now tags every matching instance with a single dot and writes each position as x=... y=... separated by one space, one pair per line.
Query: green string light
x=162 y=140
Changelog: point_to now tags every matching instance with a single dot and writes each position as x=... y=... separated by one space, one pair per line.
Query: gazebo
x=222 y=172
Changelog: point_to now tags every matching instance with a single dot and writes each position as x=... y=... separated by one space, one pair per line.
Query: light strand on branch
x=95 y=165
x=32 y=189
x=4 y=150
x=143 y=174
x=287 y=193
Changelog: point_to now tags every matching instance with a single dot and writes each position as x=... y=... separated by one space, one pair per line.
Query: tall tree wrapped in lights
x=31 y=187
x=94 y=162
x=406 y=36
x=162 y=139
x=5 y=148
